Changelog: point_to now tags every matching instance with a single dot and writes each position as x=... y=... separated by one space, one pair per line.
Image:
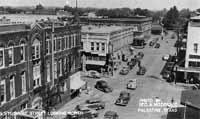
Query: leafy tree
x=171 y=19
x=39 y=7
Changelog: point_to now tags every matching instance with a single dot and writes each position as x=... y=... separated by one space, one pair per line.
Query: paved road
x=150 y=85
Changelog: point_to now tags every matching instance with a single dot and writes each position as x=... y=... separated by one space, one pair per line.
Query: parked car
x=168 y=76
x=132 y=84
x=141 y=71
x=157 y=45
x=95 y=106
x=84 y=109
x=76 y=115
x=132 y=63
x=95 y=103
x=93 y=74
x=124 y=71
x=166 y=57
x=123 y=99
x=141 y=54
x=151 y=43
x=111 y=115
x=103 y=86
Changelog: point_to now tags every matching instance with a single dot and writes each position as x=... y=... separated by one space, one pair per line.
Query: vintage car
x=95 y=103
x=84 y=109
x=124 y=70
x=123 y=99
x=132 y=84
x=103 y=86
x=111 y=115
x=141 y=71
x=93 y=74
x=157 y=45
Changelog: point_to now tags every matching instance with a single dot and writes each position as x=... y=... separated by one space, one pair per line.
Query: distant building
x=191 y=68
x=101 y=44
x=27 y=18
x=4 y=20
x=27 y=65
x=156 y=29
x=63 y=13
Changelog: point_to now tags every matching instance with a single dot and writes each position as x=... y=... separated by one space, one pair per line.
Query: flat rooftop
x=101 y=29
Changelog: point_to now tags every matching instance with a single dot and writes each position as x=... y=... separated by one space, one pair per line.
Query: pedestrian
x=172 y=100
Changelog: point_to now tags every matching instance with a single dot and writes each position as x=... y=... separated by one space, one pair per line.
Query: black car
x=111 y=115
x=157 y=45
x=141 y=71
x=103 y=86
x=141 y=54
x=123 y=99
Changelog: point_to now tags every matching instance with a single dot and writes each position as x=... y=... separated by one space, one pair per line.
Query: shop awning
x=76 y=82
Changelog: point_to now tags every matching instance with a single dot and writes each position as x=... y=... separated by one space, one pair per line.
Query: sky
x=148 y=4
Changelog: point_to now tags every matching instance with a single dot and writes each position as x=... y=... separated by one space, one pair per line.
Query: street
x=149 y=86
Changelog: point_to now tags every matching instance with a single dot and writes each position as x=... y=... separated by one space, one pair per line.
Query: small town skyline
x=152 y=5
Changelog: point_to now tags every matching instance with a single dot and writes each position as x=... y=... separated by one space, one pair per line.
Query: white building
x=192 y=58
x=100 y=42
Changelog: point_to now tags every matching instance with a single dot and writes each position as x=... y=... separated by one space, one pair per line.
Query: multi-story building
x=101 y=42
x=192 y=58
x=141 y=24
x=14 y=40
x=45 y=57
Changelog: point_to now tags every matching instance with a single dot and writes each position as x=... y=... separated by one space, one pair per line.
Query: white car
x=132 y=84
x=166 y=57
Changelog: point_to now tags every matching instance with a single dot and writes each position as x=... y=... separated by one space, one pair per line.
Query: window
x=59 y=44
x=3 y=91
x=64 y=63
x=11 y=55
x=102 y=46
x=1 y=57
x=60 y=66
x=70 y=45
x=47 y=46
x=55 y=70
x=36 y=76
x=36 y=49
x=54 y=45
x=22 y=52
x=48 y=72
x=12 y=87
x=23 y=79
x=92 y=46
x=97 y=47
x=195 y=47
x=194 y=64
x=74 y=40
x=66 y=42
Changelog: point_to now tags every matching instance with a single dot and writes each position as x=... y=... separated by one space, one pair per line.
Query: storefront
x=139 y=41
x=76 y=84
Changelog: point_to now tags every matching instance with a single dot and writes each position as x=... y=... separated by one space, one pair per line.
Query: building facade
x=99 y=43
x=30 y=56
x=192 y=58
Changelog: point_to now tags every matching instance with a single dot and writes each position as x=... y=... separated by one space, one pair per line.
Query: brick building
x=99 y=43
x=26 y=64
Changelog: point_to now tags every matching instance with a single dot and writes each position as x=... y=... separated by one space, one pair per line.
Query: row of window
x=65 y=42
x=96 y=58
x=12 y=87
x=95 y=46
x=10 y=54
